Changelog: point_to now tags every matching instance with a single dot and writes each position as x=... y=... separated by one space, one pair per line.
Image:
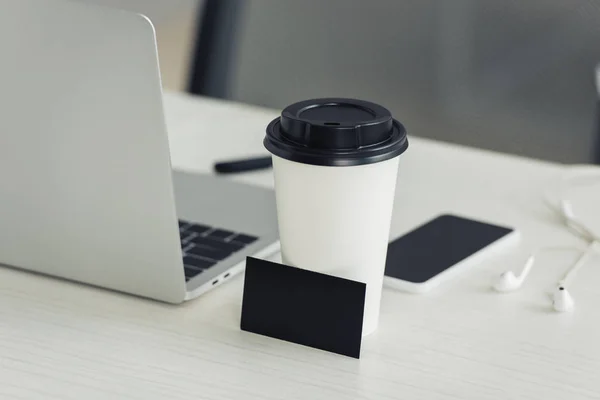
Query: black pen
x=246 y=165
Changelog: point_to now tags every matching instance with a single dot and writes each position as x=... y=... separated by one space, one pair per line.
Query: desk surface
x=61 y=340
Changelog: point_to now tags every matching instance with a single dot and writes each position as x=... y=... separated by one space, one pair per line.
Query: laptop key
x=220 y=234
x=216 y=244
x=184 y=237
x=208 y=252
x=246 y=239
x=198 y=228
x=196 y=262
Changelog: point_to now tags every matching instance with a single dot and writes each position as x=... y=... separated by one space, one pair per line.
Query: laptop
x=87 y=192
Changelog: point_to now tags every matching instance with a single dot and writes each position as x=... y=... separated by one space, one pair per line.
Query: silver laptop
x=86 y=188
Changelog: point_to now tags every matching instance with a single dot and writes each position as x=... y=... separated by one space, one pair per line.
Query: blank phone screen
x=438 y=245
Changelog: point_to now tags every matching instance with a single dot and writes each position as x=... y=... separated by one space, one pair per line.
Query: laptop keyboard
x=204 y=246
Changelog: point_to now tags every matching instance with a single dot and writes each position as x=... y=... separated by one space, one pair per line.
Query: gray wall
x=514 y=76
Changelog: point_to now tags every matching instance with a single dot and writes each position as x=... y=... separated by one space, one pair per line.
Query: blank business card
x=304 y=307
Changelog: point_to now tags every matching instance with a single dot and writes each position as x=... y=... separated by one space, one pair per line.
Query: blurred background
x=506 y=75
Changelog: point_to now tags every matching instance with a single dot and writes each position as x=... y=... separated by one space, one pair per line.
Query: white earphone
x=561 y=299
x=509 y=282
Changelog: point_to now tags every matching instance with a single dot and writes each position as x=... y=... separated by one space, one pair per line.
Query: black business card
x=304 y=307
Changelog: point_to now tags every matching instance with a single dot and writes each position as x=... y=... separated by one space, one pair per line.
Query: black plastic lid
x=336 y=132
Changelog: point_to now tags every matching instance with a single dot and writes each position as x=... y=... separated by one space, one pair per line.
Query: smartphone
x=437 y=250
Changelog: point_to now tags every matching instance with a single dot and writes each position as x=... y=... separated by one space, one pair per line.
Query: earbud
x=508 y=281
x=562 y=300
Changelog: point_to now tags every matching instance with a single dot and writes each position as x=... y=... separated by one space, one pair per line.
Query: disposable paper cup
x=335 y=163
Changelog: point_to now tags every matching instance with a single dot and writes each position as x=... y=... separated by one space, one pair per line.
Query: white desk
x=60 y=340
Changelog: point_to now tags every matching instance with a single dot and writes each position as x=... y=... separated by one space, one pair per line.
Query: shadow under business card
x=303 y=307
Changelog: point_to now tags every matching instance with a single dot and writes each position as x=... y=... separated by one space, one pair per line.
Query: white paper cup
x=334 y=206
